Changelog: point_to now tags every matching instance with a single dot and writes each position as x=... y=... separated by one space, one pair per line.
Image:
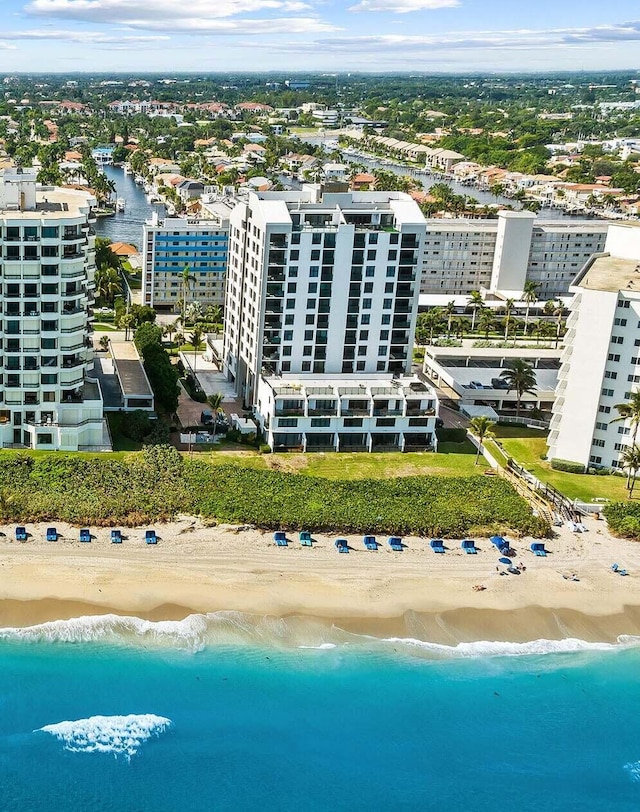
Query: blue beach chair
x=305 y=539
x=537 y=548
x=342 y=545
x=370 y=542
x=280 y=538
x=21 y=533
x=116 y=537
x=85 y=534
x=150 y=537
x=437 y=545
x=469 y=546
x=52 y=534
x=395 y=542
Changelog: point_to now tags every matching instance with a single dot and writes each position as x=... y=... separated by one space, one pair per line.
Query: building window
x=366 y=304
x=620 y=322
x=601 y=426
x=599 y=443
x=320 y=422
x=365 y=318
x=386 y=318
x=288 y=319
x=291 y=303
x=624 y=430
x=287 y=422
x=306 y=366
x=607 y=393
x=286 y=366
x=604 y=409
x=611 y=375
x=617 y=340
x=614 y=357
x=595 y=460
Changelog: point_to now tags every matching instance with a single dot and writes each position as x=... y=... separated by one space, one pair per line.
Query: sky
x=318 y=35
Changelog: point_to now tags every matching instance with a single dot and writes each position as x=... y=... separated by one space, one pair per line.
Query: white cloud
x=91 y=37
x=526 y=39
x=403 y=6
x=138 y=12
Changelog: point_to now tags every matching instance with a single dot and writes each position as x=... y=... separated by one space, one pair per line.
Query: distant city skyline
x=318 y=35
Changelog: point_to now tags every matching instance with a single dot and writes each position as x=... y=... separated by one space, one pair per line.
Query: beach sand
x=415 y=593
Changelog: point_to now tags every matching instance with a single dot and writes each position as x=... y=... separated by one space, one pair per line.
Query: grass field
x=457 y=460
x=528 y=446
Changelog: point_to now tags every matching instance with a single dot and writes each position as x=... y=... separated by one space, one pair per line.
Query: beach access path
x=197 y=569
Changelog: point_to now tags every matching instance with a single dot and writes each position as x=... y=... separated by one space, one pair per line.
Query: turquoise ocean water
x=225 y=712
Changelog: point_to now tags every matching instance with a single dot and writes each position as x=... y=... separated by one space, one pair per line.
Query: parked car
x=206 y=417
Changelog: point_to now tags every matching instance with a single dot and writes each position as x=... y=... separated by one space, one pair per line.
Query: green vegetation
x=529 y=448
x=158 y=483
x=623 y=518
x=162 y=375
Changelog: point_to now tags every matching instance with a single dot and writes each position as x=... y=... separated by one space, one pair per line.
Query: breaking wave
x=119 y=735
x=198 y=632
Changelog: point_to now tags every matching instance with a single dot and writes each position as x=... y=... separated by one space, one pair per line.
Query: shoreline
x=196 y=569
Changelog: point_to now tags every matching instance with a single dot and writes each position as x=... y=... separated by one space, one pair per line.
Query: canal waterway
x=127 y=227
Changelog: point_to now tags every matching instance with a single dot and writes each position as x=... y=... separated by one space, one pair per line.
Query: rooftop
x=612 y=274
x=128 y=366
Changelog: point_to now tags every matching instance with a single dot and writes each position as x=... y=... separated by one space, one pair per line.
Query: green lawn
x=528 y=446
x=100 y=327
x=458 y=460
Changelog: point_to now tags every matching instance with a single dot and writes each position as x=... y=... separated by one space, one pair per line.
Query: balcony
x=355 y=412
x=323 y=412
x=387 y=412
x=299 y=412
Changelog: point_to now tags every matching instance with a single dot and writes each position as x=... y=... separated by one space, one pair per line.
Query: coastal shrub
x=451 y=435
x=567 y=466
x=159 y=483
x=623 y=518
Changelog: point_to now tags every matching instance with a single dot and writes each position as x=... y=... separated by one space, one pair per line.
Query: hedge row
x=623 y=518
x=159 y=483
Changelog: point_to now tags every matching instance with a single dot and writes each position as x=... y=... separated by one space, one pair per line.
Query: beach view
x=319 y=406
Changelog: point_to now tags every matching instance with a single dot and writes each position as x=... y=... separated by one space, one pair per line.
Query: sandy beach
x=415 y=593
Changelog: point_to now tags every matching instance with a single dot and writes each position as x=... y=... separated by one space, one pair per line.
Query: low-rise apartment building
x=347 y=413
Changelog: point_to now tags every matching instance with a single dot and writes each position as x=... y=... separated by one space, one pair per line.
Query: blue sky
x=290 y=35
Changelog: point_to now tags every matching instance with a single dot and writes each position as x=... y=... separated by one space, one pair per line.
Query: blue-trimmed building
x=174 y=243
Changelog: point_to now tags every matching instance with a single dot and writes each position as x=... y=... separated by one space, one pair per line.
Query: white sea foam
x=321 y=647
x=120 y=735
x=486 y=648
x=633 y=768
x=199 y=631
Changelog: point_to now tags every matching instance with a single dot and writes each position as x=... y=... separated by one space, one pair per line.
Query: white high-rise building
x=49 y=399
x=322 y=284
x=601 y=360
x=500 y=255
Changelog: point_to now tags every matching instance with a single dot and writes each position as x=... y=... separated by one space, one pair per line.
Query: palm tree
x=428 y=322
x=486 y=322
x=127 y=320
x=631 y=464
x=521 y=376
x=186 y=278
x=215 y=401
x=508 y=309
x=476 y=303
x=630 y=410
x=543 y=329
x=195 y=341
x=169 y=329
x=481 y=427
x=449 y=310
x=530 y=296
x=108 y=283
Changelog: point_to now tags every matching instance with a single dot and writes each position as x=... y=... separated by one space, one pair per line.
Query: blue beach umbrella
x=504 y=561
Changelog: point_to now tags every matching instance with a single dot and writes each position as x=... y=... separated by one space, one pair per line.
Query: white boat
x=120 y=204
x=127 y=169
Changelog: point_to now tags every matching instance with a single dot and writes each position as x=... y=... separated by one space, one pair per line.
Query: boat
x=120 y=205
x=127 y=169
